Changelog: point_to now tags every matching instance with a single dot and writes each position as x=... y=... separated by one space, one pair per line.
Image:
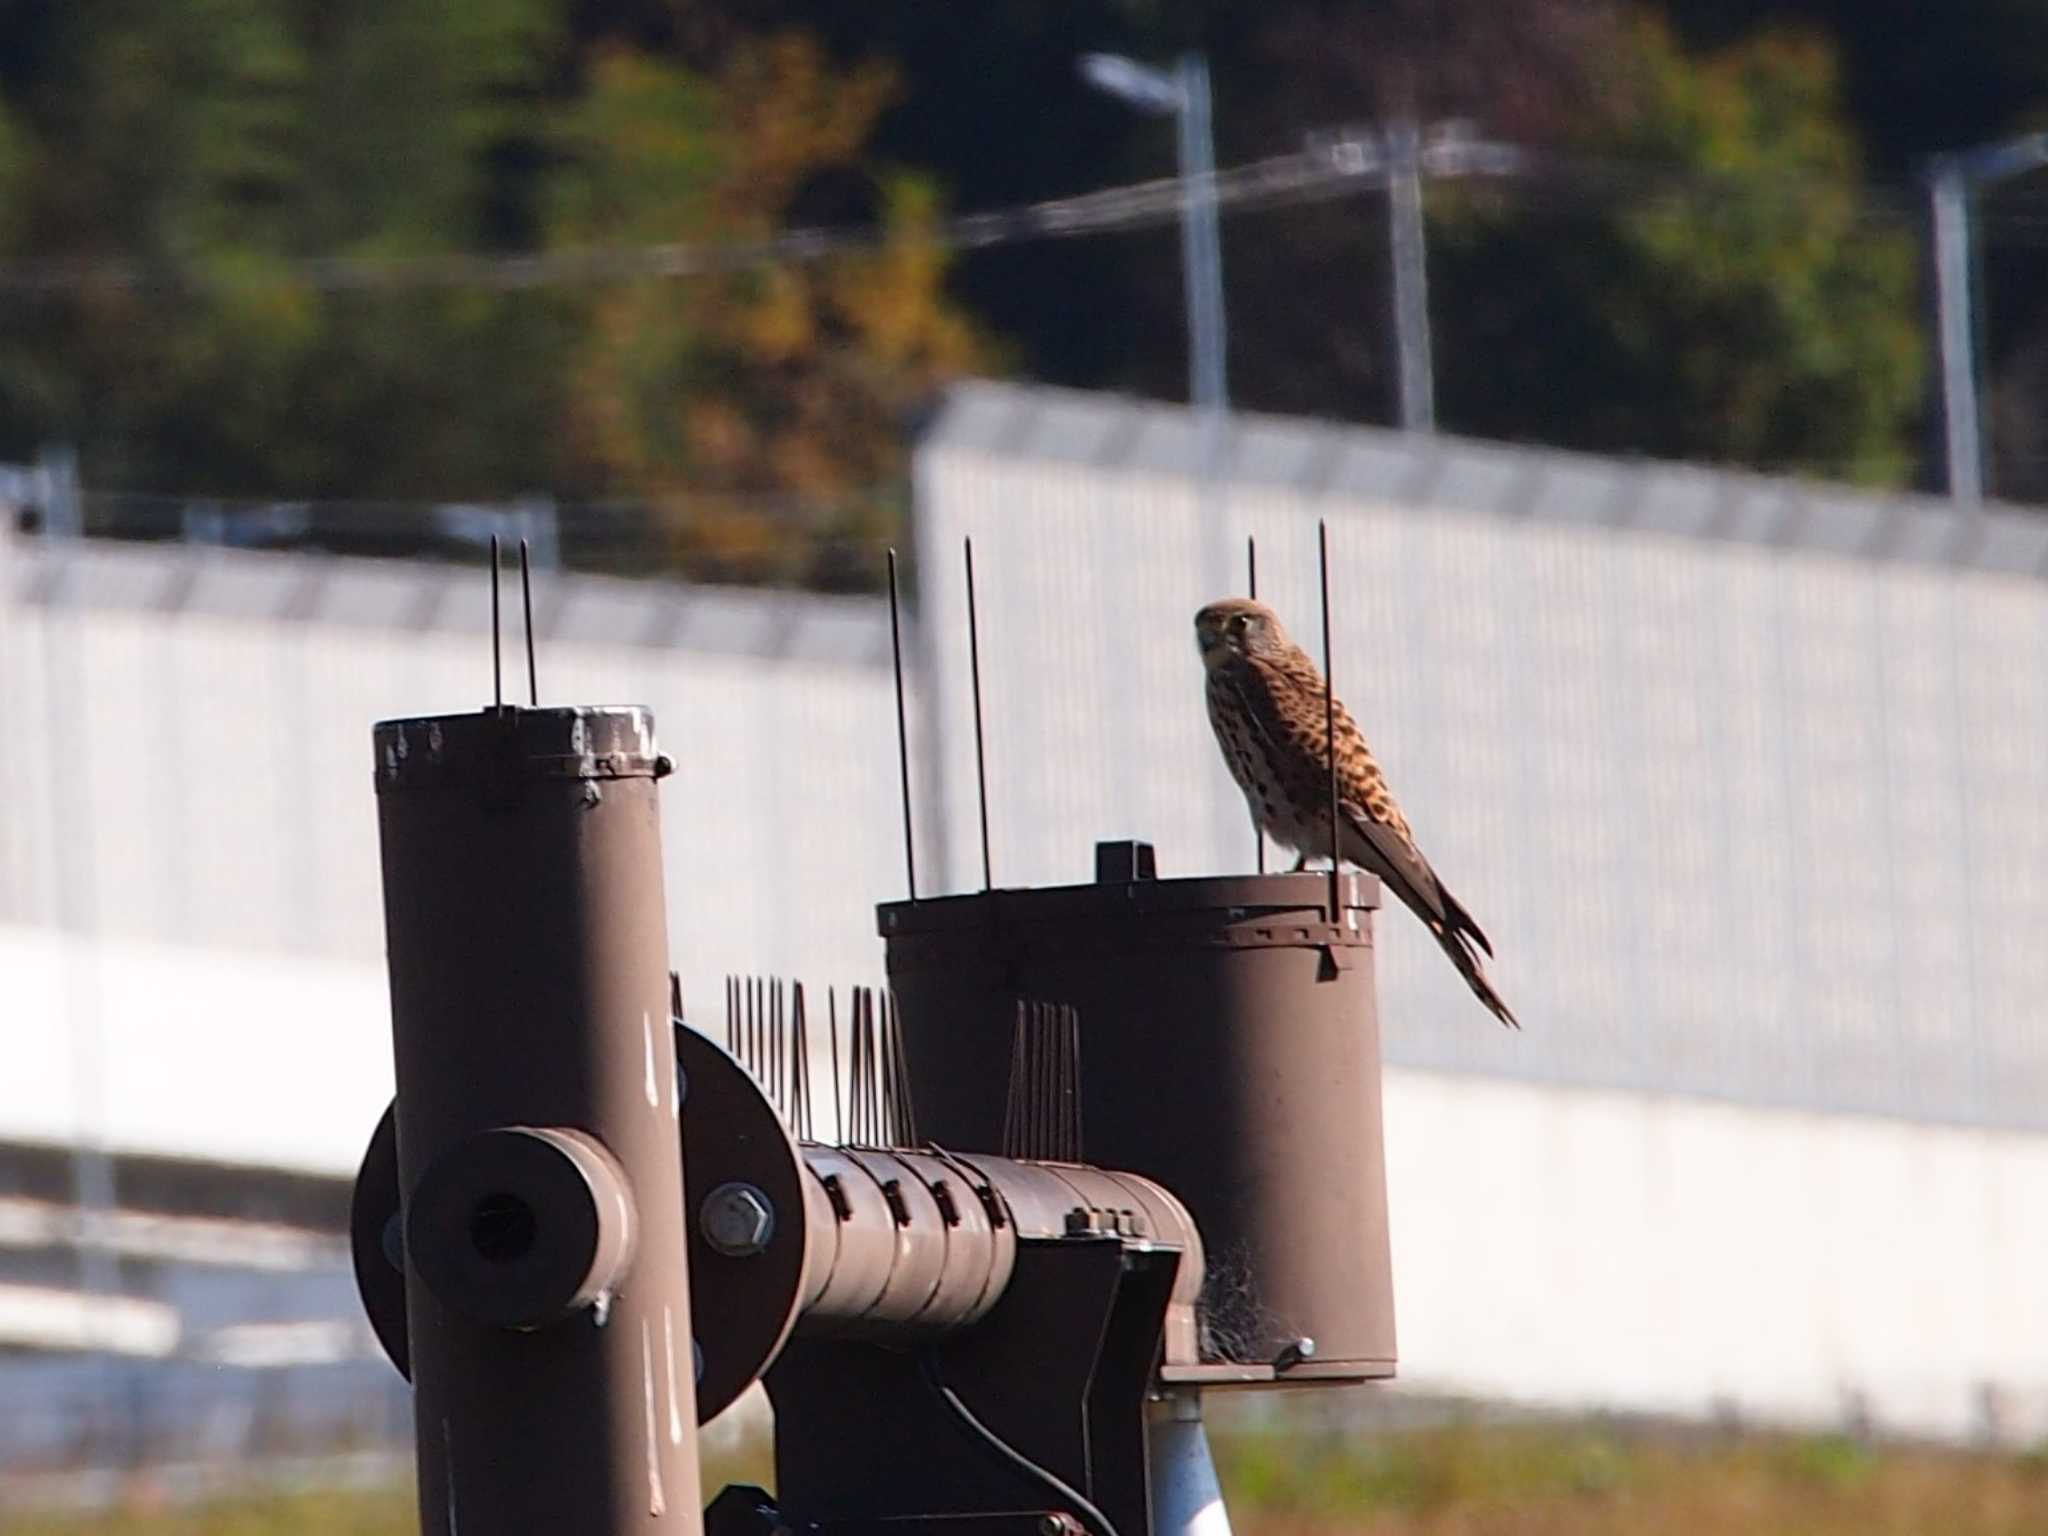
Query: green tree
x=1727 y=294
x=762 y=411
x=203 y=148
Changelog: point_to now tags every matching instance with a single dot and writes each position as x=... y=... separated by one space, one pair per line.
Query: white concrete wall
x=1552 y=1246
x=1584 y=1248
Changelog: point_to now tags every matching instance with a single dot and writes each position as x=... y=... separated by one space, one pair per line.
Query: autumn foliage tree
x=762 y=411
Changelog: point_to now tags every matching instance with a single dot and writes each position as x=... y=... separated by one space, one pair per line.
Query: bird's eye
x=1238 y=624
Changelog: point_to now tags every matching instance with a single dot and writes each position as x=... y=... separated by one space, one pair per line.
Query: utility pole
x=1410 y=266
x=1951 y=180
x=1202 y=259
x=1399 y=159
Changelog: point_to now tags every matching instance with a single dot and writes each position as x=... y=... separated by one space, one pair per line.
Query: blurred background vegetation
x=1464 y=1479
x=1715 y=254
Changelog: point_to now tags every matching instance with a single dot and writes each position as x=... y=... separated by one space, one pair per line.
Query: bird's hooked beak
x=1209 y=640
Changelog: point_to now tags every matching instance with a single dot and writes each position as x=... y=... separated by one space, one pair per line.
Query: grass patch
x=1595 y=1480
x=1582 y=1479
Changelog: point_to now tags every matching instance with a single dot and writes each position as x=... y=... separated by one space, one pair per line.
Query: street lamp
x=1183 y=94
x=1951 y=179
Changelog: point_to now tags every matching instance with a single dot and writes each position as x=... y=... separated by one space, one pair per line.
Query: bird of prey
x=1266 y=705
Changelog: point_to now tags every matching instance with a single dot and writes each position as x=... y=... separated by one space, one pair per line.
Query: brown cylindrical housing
x=1229 y=1049
x=897 y=1245
x=546 y=1294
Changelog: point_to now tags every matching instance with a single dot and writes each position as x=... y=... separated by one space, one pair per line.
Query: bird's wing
x=1224 y=696
x=1286 y=700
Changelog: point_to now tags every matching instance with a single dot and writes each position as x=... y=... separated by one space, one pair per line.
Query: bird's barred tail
x=1459 y=948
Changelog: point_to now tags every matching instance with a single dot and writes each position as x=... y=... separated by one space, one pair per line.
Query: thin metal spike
x=902 y=732
x=892 y=1126
x=874 y=1101
x=796 y=1071
x=1329 y=710
x=854 y=1087
x=1010 y=1095
x=802 y=1054
x=1251 y=575
x=838 y=1089
x=885 y=1078
x=906 y=1123
x=867 y=1062
x=1034 y=1107
x=903 y=1076
x=1070 y=1061
x=859 y=1084
x=1023 y=1085
x=526 y=592
x=1074 y=1028
x=1045 y=1087
x=980 y=753
x=1052 y=1074
x=874 y=1073
x=906 y=1110
x=497 y=660
x=1065 y=1090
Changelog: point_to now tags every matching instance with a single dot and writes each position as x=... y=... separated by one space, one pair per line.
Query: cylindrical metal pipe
x=1241 y=1012
x=547 y=1298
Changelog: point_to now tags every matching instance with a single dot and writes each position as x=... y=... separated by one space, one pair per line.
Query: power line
x=1331 y=167
x=1280 y=178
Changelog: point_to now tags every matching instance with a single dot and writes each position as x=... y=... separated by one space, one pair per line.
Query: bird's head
x=1237 y=627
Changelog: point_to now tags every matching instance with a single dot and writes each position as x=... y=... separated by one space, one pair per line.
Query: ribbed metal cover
x=592 y=742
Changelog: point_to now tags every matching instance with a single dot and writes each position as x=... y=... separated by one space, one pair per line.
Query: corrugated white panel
x=1763 y=821
x=200 y=776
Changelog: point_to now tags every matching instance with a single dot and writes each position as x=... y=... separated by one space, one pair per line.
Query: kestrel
x=1266 y=704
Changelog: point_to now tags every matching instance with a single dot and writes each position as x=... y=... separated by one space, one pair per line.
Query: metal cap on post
x=546 y=1288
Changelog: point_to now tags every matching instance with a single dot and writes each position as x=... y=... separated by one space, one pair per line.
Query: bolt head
x=737 y=1220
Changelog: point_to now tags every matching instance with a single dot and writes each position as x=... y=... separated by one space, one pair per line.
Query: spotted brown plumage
x=1266 y=704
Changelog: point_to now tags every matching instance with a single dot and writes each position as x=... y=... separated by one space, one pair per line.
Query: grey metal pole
x=1202 y=258
x=1417 y=398
x=1952 y=178
x=1964 y=452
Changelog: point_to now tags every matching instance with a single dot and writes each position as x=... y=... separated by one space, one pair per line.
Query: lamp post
x=1951 y=179
x=1183 y=94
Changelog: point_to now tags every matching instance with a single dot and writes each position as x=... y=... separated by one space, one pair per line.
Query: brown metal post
x=547 y=1297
